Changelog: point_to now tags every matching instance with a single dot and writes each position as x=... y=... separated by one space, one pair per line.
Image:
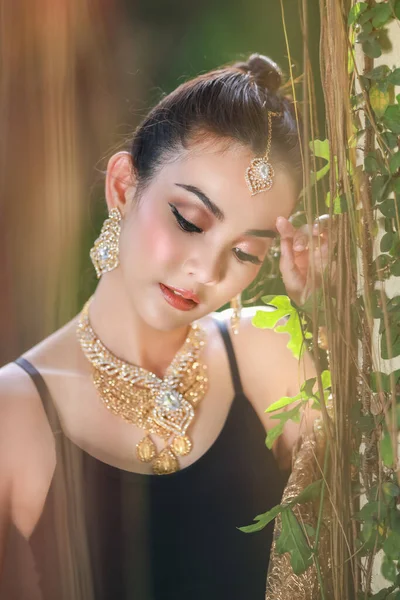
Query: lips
x=179 y=298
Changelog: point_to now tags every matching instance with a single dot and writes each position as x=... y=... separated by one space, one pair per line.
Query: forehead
x=218 y=168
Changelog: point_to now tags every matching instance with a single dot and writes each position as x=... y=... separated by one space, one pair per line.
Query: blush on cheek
x=160 y=244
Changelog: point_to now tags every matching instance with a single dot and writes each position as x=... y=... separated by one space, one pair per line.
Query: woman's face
x=197 y=229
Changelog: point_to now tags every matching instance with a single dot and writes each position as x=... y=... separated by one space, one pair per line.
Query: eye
x=244 y=257
x=183 y=223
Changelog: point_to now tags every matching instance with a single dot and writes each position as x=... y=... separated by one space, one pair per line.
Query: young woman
x=178 y=462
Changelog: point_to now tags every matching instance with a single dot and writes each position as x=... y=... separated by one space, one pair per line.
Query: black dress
x=175 y=537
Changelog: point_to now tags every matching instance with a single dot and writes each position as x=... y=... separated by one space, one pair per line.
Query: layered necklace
x=162 y=407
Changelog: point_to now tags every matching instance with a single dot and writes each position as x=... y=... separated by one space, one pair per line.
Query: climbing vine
x=358 y=318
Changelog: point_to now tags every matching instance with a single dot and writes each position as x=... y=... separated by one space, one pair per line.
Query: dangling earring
x=236 y=306
x=104 y=254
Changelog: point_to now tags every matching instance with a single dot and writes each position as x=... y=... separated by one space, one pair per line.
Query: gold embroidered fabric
x=282 y=582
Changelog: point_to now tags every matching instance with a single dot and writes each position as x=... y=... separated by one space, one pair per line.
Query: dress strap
x=43 y=392
x=237 y=384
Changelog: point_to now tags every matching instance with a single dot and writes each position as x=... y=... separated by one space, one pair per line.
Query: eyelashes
x=244 y=257
x=189 y=227
x=183 y=223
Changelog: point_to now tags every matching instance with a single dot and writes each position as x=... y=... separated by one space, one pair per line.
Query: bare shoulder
x=269 y=371
x=27 y=447
x=264 y=352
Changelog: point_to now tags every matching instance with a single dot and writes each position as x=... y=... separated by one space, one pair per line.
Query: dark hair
x=232 y=103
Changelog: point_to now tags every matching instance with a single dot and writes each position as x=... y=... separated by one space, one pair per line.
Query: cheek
x=157 y=242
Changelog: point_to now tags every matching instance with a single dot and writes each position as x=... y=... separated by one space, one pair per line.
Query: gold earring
x=236 y=306
x=104 y=254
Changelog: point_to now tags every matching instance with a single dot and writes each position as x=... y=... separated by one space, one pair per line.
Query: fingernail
x=300 y=244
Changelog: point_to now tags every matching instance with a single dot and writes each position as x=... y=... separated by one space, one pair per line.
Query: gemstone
x=104 y=252
x=169 y=400
x=264 y=171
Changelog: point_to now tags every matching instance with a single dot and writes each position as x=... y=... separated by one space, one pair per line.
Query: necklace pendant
x=169 y=400
x=165 y=463
x=146 y=449
x=181 y=445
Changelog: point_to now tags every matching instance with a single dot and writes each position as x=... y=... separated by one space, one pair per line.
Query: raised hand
x=298 y=248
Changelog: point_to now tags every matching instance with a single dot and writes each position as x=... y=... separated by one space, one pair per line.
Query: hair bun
x=265 y=71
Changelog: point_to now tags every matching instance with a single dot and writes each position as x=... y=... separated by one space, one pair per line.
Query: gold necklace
x=163 y=407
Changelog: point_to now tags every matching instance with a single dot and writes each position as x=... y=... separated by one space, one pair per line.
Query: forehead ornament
x=259 y=175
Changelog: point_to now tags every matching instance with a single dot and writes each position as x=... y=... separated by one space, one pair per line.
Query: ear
x=120 y=182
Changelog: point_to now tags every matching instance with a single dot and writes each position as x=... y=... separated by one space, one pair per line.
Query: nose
x=207 y=267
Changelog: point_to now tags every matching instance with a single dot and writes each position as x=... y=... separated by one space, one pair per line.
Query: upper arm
x=26 y=453
x=270 y=372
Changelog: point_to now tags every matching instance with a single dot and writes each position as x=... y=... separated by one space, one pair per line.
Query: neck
x=121 y=329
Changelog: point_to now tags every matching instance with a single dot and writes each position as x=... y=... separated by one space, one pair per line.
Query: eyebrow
x=264 y=233
x=217 y=212
x=212 y=207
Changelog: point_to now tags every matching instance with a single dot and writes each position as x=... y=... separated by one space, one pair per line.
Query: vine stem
x=319 y=523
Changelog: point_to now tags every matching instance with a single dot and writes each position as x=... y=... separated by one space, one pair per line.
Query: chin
x=160 y=316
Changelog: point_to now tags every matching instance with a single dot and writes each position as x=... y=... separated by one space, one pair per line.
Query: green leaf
x=356 y=11
x=319 y=174
x=285 y=401
x=390 y=139
x=380 y=187
x=386 y=242
x=394 y=77
x=394 y=162
x=383 y=380
x=384 y=594
x=371 y=48
x=293 y=540
x=395 y=184
x=388 y=569
x=307 y=387
x=365 y=16
x=397 y=9
x=388 y=207
x=365 y=34
x=287 y=415
x=273 y=434
x=320 y=149
x=391 y=118
x=263 y=520
x=391 y=490
x=395 y=269
x=269 y=320
x=394 y=340
x=386 y=450
x=340 y=204
x=378 y=72
x=326 y=379
x=311 y=492
x=379 y=99
x=381 y=267
x=370 y=511
x=395 y=249
x=381 y=595
x=382 y=13
x=370 y=163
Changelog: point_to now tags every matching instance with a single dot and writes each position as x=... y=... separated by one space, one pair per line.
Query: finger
x=291 y=275
x=285 y=228
x=322 y=222
x=301 y=238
